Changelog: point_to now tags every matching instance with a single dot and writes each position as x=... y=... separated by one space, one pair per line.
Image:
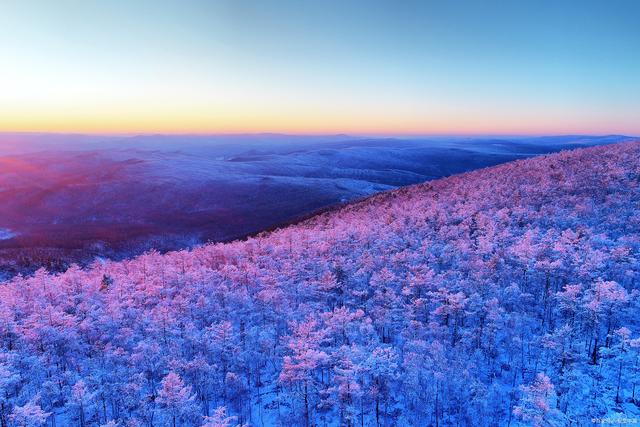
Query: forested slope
x=504 y=296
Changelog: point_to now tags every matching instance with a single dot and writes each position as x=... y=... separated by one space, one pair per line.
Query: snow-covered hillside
x=72 y=198
x=503 y=296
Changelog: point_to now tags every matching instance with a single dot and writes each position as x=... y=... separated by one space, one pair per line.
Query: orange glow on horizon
x=301 y=123
x=318 y=68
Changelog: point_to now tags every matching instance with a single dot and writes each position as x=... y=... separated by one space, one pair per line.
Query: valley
x=116 y=197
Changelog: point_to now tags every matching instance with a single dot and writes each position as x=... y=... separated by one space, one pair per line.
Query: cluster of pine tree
x=504 y=296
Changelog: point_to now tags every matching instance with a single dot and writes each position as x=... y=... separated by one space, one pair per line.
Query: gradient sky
x=361 y=67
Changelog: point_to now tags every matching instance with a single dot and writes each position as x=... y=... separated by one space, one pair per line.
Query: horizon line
x=318 y=134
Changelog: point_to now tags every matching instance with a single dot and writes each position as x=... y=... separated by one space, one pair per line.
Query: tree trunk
x=81 y=415
x=437 y=392
x=618 y=387
x=306 y=405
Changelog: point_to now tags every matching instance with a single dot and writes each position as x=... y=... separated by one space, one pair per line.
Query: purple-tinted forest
x=503 y=296
x=68 y=199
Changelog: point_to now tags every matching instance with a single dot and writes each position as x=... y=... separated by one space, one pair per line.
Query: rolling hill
x=72 y=198
x=503 y=296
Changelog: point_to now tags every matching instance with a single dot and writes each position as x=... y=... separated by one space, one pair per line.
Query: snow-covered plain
x=6 y=234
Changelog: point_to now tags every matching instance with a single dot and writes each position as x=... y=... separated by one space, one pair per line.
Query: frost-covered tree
x=536 y=406
x=176 y=399
x=428 y=305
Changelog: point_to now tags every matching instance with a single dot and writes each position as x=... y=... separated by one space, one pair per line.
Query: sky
x=374 y=67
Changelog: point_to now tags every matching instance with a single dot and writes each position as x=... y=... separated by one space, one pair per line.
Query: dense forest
x=504 y=296
x=66 y=200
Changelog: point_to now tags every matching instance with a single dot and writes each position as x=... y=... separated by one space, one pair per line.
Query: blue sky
x=370 y=67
